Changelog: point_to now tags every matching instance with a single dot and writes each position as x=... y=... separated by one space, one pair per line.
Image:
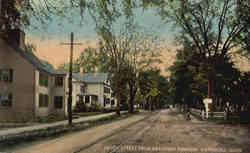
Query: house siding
x=51 y=91
x=25 y=87
x=21 y=87
x=59 y=91
x=96 y=89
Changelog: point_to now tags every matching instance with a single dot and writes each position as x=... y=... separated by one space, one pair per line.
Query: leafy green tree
x=145 y=52
x=151 y=91
x=115 y=45
x=188 y=79
x=243 y=14
x=211 y=25
x=65 y=66
x=25 y=13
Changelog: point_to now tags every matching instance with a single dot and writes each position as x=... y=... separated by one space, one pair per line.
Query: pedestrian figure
x=188 y=115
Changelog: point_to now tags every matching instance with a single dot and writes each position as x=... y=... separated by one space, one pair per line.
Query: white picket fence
x=218 y=115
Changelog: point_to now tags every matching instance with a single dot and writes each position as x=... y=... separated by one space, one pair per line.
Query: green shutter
x=10 y=75
x=0 y=99
x=46 y=100
x=40 y=100
x=1 y=75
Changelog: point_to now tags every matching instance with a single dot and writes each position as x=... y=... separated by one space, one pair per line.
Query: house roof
x=91 y=77
x=48 y=68
x=86 y=94
x=38 y=63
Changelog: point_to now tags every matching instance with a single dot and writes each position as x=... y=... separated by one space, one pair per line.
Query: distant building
x=95 y=88
x=30 y=87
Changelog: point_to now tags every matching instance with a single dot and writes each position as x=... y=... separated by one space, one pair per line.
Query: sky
x=47 y=41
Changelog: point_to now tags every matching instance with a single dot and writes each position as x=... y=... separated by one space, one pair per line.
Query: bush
x=95 y=108
x=50 y=118
x=80 y=107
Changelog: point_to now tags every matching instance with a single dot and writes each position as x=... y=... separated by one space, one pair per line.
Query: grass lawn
x=50 y=119
x=88 y=113
x=45 y=119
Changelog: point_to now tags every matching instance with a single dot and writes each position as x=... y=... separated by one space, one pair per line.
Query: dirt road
x=165 y=131
x=169 y=132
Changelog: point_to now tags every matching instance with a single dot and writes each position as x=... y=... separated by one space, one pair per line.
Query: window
x=94 y=98
x=106 y=90
x=59 y=81
x=87 y=99
x=6 y=100
x=107 y=101
x=83 y=88
x=112 y=102
x=43 y=79
x=6 y=75
x=58 y=102
x=43 y=100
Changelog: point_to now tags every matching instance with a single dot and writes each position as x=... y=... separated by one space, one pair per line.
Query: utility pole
x=70 y=76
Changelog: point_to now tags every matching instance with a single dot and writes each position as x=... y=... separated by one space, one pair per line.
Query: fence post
x=202 y=114
x=225 y=115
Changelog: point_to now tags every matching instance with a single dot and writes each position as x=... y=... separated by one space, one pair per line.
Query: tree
x=243 y=14
x=65 y=66
x=26 y=13
x=188 y=80
x=130 y=52
x=115 y=45
x=145 y=52
x=211 y=25
x=152 y=91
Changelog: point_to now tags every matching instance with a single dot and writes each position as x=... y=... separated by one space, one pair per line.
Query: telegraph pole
x=70 y=76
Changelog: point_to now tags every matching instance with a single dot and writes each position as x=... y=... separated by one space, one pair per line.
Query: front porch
x=87 y=99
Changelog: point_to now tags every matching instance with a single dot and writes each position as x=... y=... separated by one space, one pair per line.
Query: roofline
x=21 y=51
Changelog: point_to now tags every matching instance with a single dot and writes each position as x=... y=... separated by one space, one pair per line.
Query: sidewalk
x=23 y=131
x=80 y=141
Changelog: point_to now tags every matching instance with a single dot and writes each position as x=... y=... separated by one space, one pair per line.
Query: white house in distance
x=95 y=88
x=30 y=87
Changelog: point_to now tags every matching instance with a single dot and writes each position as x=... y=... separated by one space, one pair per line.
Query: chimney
x=16 y=37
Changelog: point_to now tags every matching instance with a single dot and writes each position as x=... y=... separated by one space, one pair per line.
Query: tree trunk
x=210 y=87
x=151 y=104
x=131 y=98
x=118 y=92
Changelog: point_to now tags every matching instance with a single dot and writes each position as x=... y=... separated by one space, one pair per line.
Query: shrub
x=80 y=107
x=95 y=107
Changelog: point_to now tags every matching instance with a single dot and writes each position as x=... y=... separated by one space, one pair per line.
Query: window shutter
x=40 y=100
x=0 y=99
x=5 y=75
x=1 y=75
x=47 y=100
x=10 y=75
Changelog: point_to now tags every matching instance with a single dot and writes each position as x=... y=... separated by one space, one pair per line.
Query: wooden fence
x=216 y=115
